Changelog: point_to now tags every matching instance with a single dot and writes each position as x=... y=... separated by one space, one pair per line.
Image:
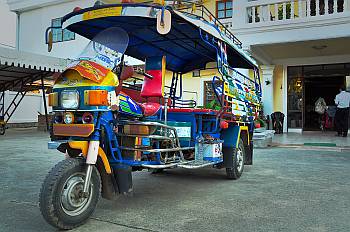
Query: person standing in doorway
x=342 y=101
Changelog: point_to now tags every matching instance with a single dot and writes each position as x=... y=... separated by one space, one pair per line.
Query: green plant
x=212 y=105
x=261 y=121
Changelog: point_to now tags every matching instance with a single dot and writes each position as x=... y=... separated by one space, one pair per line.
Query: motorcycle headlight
x=68 y=118
x=70 y=99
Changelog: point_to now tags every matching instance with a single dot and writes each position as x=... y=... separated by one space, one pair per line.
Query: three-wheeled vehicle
x=109 y=126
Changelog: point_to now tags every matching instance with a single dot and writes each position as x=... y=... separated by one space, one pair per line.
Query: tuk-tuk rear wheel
x=62 y=202
x=238 y=157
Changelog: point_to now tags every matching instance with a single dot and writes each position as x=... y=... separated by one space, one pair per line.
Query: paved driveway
x=285 y=190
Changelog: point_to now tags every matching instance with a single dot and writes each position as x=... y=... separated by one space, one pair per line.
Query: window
x=224 y=9
x=59 y=34
x=196 y=73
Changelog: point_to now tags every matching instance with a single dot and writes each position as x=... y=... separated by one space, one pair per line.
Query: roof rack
x=193 y=8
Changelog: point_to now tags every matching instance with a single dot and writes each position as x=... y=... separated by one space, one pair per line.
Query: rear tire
x=238 y=162
x=61 y=202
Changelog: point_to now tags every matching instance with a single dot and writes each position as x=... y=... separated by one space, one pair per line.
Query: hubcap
x=72 y=200
x=239 y=160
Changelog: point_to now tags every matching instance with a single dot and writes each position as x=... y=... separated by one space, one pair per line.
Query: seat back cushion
x=154 y=66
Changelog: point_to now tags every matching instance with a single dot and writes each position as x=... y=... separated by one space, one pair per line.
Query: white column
x=326 y=7
x=308 y=8
x=300 y=8
x=335 y=6
x=267 y=88
x=253 y=14
x=284 y=8
x=276 y=12
x=292 y=9
x=317 y=7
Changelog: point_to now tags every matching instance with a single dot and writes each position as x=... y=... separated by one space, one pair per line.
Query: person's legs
x=338 y=122
x=345 y=122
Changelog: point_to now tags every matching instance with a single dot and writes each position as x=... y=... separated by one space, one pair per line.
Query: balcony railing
x=273 y=11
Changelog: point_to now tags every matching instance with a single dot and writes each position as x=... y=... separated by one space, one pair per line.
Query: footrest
x=196 y=164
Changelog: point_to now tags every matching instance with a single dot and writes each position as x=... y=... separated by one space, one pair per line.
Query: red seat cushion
x=150 y=108
x=154 y=87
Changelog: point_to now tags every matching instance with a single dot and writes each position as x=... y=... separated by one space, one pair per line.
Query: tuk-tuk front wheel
x=238 y=162
x=2 y=129
x=62 y=202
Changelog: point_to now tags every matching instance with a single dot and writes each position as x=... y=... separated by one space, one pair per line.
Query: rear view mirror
x=163 y=21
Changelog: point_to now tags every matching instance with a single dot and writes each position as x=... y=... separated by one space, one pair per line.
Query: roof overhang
x=24 y=67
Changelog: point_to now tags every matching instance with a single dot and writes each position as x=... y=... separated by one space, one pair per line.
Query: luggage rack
x=164 y=131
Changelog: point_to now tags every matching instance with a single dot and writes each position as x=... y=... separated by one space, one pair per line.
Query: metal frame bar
x=24 y=88
x=44 y=101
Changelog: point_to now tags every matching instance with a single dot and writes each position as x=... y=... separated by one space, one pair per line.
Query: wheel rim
x=239 y=160
x=72 y=201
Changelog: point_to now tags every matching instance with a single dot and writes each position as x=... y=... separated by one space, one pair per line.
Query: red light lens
x=87 y=118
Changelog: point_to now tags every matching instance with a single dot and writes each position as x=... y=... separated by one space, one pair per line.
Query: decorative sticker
x=91 y=70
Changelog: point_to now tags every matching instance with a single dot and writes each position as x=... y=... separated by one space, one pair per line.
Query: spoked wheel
x=62 y=202
x=238 y=163
x=2 y=129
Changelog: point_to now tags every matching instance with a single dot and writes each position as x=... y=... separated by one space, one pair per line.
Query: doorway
x=325 y=87
x=306 y=84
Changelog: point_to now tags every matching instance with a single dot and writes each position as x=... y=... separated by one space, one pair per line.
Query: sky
x=7 y=26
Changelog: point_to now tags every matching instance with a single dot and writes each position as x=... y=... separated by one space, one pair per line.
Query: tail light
x=87 y=118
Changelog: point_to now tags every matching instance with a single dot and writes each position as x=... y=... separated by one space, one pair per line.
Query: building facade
x=301 y=45
x=303 y=50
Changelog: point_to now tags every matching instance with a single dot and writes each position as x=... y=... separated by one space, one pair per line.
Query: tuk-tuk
x=109 y=126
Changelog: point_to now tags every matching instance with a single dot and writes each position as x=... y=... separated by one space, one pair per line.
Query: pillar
x=267 y=88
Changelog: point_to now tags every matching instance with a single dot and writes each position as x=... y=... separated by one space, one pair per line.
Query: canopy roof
x=19 y=68
x=183 y=46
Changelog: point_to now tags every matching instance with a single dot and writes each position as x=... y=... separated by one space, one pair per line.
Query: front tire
x=238 y=162
x=61 y=200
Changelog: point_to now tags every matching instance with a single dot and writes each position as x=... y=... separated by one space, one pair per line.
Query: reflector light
x=53 y=99
x=96 y=97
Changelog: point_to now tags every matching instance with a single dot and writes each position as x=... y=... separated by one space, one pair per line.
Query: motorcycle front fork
x=91 y=159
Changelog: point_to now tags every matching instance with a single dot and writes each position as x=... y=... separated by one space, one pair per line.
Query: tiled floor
x=311 y=137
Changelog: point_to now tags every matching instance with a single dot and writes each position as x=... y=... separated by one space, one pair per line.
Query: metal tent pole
x=45 y=106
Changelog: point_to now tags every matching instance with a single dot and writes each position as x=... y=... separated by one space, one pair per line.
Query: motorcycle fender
x=84 y=147
x=91 y=157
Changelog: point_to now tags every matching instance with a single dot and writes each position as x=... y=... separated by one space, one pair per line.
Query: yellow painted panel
x=103 y=12
x=278 y=88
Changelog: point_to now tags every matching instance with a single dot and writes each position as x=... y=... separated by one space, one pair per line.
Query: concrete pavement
x=287 y=189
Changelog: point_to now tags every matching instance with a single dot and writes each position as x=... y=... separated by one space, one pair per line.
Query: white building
x=302 y=45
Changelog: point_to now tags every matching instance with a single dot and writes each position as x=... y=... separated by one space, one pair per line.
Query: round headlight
x=68 y=118
x=87 y=118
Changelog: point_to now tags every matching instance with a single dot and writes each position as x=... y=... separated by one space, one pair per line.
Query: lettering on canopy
x=103 y=12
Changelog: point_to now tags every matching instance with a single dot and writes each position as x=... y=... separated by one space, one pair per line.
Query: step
x=146 y=136
x=196 y=164
x=157 y=150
